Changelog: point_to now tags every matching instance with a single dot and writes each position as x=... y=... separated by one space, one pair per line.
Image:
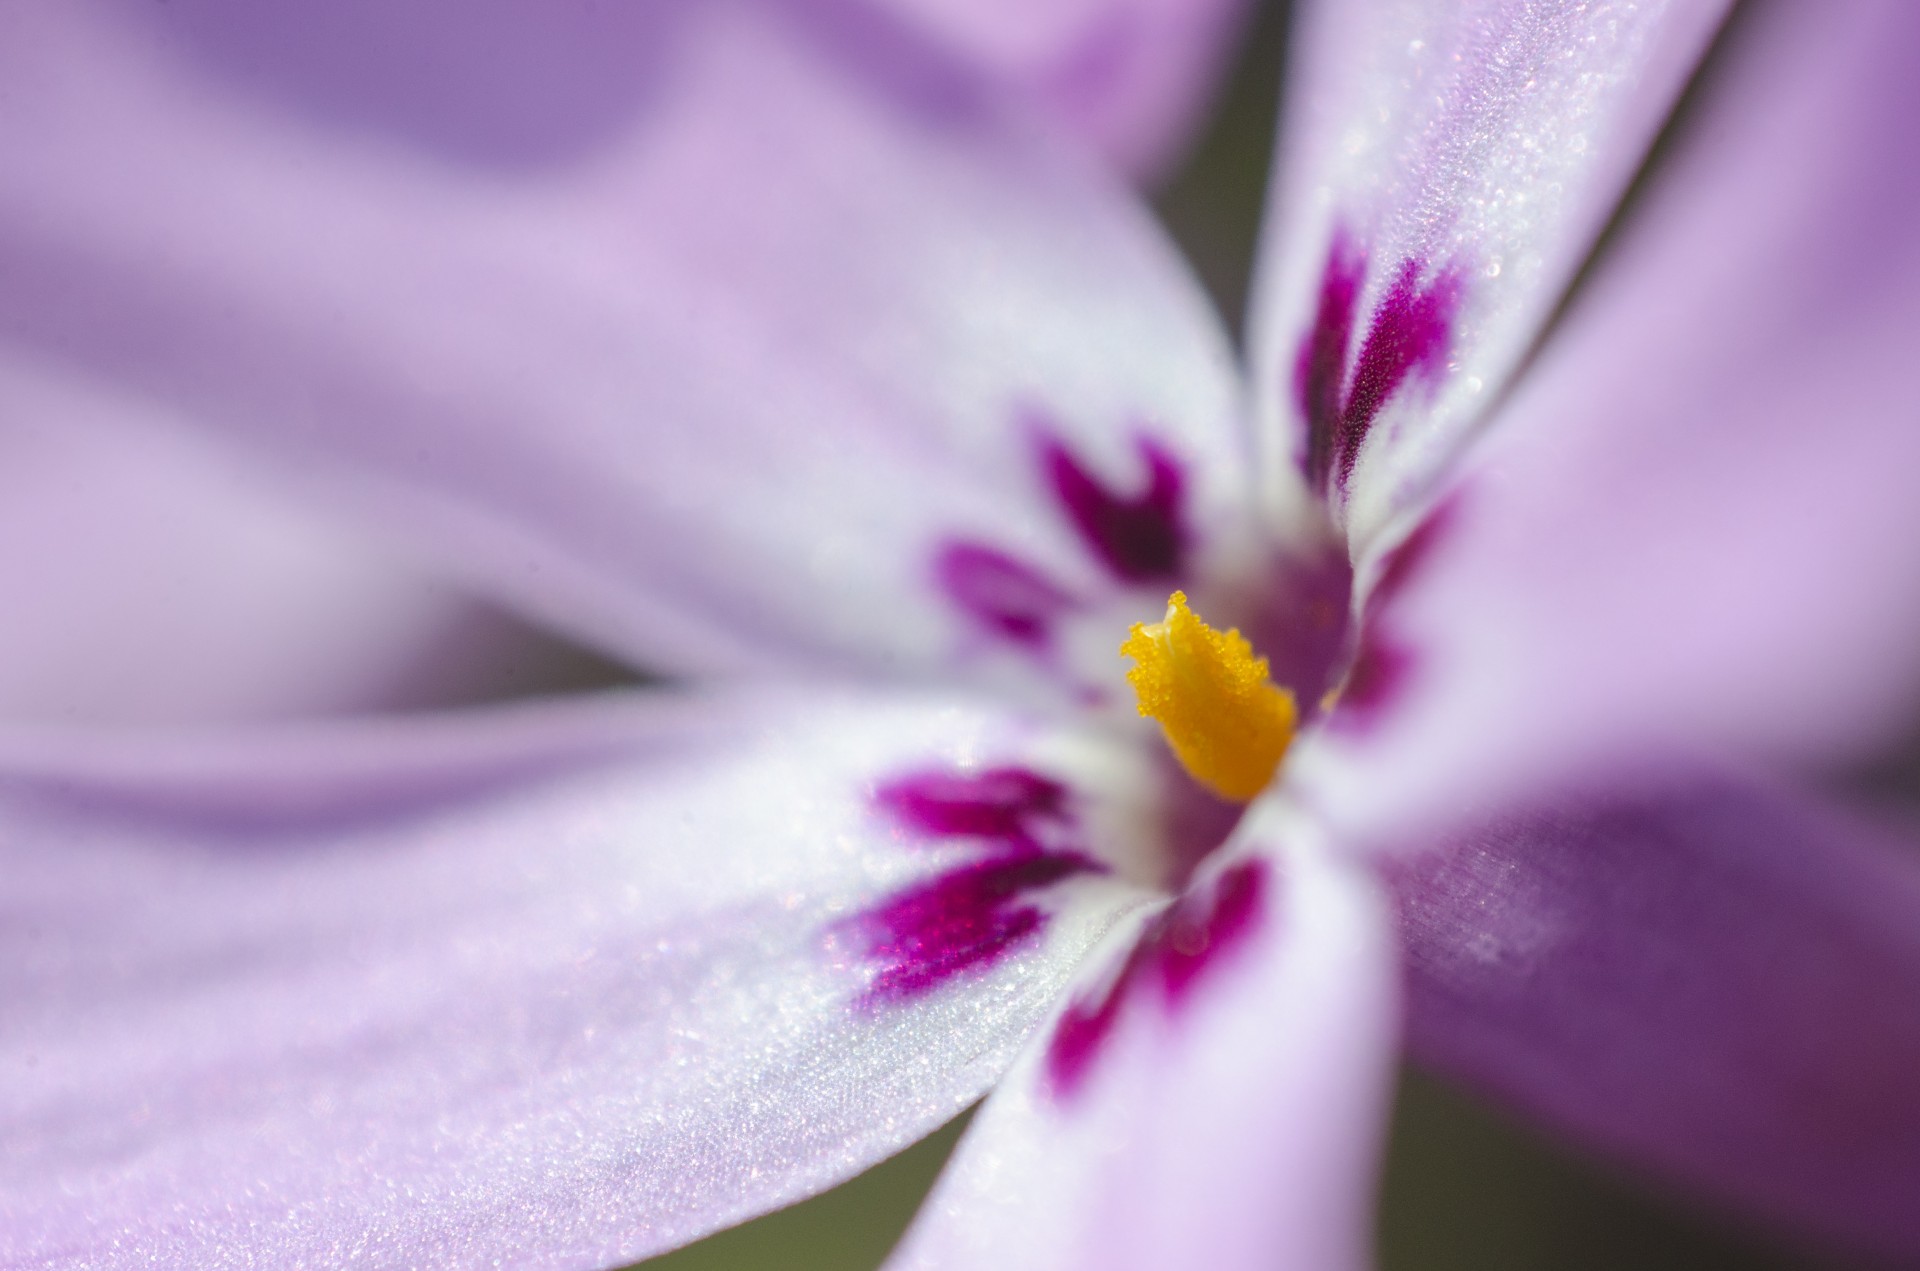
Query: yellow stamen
x=1225 y=720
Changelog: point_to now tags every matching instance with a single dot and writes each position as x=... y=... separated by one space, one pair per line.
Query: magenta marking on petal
x=1383 y=664
x=1409 y=335
x=997 y=803
x=1169 y=958
x=965 y=919
x=1004 y=595
x=970 y=916
x=1378 y=675
x=1411 y=555
x=1196 y=934
x=1141 y=538
x=1082 y=1029
x=1320 y=369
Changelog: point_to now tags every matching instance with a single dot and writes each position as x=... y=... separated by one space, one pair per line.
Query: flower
x=876 y=413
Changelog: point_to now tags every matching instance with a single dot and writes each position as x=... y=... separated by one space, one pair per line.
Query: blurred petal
x=1231 y=1117
x=1710 y=978
x=714 y=360
x=148 y=579
x=550 y=988
x=1443 y=170
x=1130 y=77
x=1696 y=515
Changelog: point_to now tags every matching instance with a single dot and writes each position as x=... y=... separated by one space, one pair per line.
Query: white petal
x=1694 y=522
x=1236 y=1126
x=553 y=988
x=1452 y=163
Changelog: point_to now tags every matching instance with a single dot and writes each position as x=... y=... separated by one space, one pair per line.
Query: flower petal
x=1232 y=1117
x=1695 y=517
x=148 y=579
x=1128 y=76
x=1443 y=170
x=551 y=988
x=712 y=347
x=1713 y=979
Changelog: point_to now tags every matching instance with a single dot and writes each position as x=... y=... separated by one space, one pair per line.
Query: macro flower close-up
x=1503 y=658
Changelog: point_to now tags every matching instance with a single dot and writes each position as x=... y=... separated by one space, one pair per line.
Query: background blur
x=1465 y=1189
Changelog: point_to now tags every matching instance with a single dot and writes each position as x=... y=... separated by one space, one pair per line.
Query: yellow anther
x=1225 y=720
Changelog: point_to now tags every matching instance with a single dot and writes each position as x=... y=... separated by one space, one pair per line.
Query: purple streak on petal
x=1239 y=1134
x=1383 y=662
x=998 y=803
x=1410 y=334
x=1321 y=365
x=1082 y=1029
x=1141 y=538
x=965 y=919
x=1381 y=669
x=972 y=915
x=1167 y=960
x=1410 y=557
x=1194 y=934
x=1004 y=595
x=272 y=994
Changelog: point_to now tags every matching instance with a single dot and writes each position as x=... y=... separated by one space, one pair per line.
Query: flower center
x=1226 y=721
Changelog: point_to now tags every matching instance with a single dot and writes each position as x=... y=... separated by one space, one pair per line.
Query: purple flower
x=760 y=343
